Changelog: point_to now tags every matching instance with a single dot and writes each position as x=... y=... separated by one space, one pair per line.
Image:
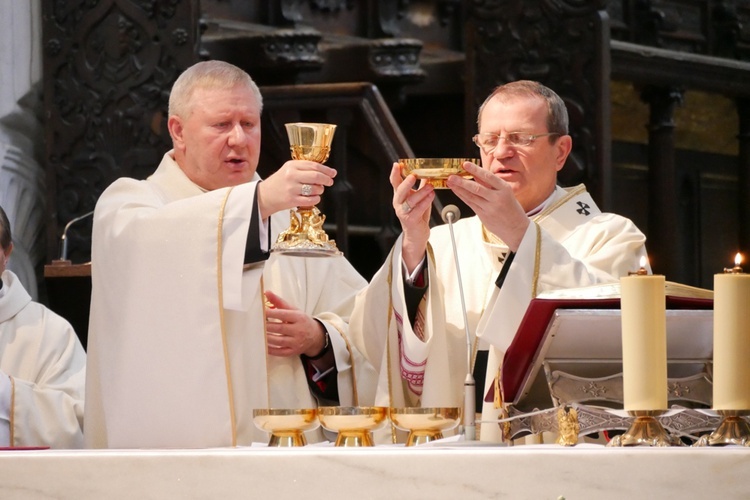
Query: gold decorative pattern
x=222 y=322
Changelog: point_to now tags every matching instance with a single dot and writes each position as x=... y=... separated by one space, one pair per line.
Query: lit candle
x=644 y=340
x=732 y=339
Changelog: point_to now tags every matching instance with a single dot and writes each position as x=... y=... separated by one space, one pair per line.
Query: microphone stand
x=450 y=214
x=63 y=260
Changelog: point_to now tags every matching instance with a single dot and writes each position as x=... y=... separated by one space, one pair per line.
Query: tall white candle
x=644 y=341
x=732 y=339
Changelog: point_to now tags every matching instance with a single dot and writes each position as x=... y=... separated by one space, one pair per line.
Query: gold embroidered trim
x=537 y=260
x=355 y=394
x=265 y=339
x=388 y=342
x=12 y=410
x=222 y=321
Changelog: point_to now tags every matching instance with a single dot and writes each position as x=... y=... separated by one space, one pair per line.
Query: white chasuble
x=570 y=243
x=46 y=364
x=177 y=348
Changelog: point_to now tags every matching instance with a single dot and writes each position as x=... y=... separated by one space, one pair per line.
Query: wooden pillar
x=743 y=178
x=666 y=255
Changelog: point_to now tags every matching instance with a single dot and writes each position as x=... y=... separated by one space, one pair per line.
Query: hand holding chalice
x=305 y=236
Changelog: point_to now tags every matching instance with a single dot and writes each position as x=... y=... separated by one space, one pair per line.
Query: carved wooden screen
x=108 y=68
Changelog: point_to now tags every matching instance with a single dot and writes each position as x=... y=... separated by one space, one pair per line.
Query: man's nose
x=503 y=149
x=237 y=135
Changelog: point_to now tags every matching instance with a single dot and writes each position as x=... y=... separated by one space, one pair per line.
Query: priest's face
x=531 y=170
x=218 y=143
x=4 y=256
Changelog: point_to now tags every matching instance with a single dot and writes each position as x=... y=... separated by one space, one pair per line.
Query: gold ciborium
x=424 y=424
x=287 y=426
x=353 y=423
x=435 y=171
x=305 y=236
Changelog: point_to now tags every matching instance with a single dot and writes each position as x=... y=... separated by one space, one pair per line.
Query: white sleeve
x=5 y=389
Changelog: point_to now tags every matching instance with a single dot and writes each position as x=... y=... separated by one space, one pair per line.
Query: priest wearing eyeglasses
x=528 y=236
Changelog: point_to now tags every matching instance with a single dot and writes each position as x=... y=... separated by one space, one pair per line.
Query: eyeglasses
x=488 y=142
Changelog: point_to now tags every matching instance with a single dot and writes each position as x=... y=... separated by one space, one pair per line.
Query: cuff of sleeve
x=415 y=274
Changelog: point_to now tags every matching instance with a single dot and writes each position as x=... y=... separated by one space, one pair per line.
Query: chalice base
x=286 y=426
x=733 y=430
x=645 y=430
x=353 y=423
x=421 y=437
x=354 y=438
x=305 y=236
x=287 y=438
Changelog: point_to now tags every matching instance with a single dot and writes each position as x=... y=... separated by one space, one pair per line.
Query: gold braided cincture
x=355 y=394
x=537 y=260
x=220 y=284
x=388 y=341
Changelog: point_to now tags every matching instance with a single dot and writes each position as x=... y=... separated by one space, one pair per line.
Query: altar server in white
x=528 y=236
x=42 y=367
x=181 y=347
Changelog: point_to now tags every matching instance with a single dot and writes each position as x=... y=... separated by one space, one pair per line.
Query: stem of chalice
x=305 y=236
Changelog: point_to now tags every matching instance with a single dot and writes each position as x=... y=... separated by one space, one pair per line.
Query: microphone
x=64 y=238
x=451 y=214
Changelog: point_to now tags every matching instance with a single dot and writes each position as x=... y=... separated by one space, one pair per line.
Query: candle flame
x=738 y=259
x=644 y=261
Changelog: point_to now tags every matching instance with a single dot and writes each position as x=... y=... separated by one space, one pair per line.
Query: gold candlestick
x=305 y=236
x=645 y=430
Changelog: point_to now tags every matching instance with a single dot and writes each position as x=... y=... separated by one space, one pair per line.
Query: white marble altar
x=481 y=472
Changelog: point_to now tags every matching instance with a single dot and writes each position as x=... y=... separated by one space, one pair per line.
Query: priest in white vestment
x=528 y=236
x=180 y=349
x=42 y=367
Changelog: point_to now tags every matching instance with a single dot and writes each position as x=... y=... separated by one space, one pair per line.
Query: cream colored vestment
x=569 y=244
x=177 y=351
x=46 y=364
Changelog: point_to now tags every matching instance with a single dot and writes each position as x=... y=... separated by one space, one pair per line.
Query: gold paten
x=287 y=426
x=424 y=424
x=645 y=430
x=733 y=429
x=305 y=236
x=436 y=171
x=353 y=423
x=567 y=427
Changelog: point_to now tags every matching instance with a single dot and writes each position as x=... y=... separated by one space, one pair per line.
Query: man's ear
x=564 y=146
x=174 y=125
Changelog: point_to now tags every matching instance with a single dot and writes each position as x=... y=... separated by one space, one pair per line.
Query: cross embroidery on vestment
x=584 y=210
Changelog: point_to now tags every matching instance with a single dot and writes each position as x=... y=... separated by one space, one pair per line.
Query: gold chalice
x=435 y=171
x=424 y=424
x=287 y=426
x=353 y=423
x=305 y=236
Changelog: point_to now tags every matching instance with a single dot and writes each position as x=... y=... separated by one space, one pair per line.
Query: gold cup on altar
x=305 y=236
x=286 y=426
x=435 y=171
x=353 y=424
x=424 y=424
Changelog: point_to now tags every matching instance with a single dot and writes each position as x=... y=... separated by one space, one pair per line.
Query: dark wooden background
x=657 y=92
